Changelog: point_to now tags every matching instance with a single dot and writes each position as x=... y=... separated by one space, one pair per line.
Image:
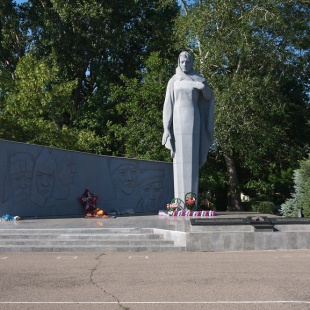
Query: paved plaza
x=176 y=223
x=222 y=280
x=276 y=279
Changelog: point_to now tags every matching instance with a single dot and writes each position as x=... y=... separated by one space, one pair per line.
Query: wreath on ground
x=89 y=203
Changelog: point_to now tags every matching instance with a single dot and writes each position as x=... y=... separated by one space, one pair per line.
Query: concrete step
x=118 y=230
x=80 y=248
x=81 y=236
x=72 y=242
x=93 y=240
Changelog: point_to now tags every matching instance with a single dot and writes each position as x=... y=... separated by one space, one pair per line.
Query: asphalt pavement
x=139 y=280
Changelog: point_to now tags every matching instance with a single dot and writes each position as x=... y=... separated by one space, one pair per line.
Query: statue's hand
x=166 y=135
x=199 y=85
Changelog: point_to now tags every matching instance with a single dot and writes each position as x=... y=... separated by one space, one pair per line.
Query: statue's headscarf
x=191 y=75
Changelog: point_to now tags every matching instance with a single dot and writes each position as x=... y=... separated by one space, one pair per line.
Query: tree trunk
x=233 y=195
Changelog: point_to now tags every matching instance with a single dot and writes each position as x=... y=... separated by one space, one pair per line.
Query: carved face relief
x=151 y=194
x=66 y=172
x=124 y=178
x=45 y=182
x=44 y=177
x=22 y=180
x=21 y=167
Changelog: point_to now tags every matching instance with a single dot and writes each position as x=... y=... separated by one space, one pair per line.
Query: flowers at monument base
x=190 y=200
x=207 y=213
x=100 y=212
x=190 y=203
x=89 y=201
x=173 y=206
x=177 y=207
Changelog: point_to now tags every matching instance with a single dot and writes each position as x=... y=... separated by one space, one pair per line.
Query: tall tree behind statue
x=255 y=55
x=94 y=43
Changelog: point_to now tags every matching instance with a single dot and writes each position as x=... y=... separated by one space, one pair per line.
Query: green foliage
x=301 y=196
x=282 y=183
x=213 y=181
x=265 y=207
x=95 y=73
x=12 y=38
x=289 y=208
x=81 y=47
x=255 y=56
x=96 y=42
x=247 y=206
x=11 y=48
x=35 y=103
x=139 y=104
x=275 y=187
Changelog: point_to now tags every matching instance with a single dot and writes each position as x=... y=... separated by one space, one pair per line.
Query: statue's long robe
x=190 y=119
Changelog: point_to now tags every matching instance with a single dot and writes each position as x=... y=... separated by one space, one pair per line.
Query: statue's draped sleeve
x=168 y=115
x=206 y=110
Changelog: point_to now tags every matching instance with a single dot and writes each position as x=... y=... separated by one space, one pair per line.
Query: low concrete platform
x=148 y=233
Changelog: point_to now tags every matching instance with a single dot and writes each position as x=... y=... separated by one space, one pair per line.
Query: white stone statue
x=188 y=119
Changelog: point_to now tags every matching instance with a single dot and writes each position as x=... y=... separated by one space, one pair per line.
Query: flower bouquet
x=175 y=205
x=190 y=200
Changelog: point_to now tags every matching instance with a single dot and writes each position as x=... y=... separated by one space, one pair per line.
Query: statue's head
x=186 y=62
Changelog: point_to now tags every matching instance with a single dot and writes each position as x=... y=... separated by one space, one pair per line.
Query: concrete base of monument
x=246 y=233
x=225 y=232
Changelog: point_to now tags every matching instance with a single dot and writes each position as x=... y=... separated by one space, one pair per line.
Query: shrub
x=265 y=207
x=301 y=196
x=288 y=208
x=247 y=206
